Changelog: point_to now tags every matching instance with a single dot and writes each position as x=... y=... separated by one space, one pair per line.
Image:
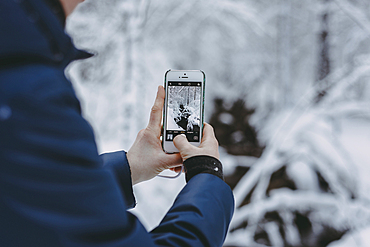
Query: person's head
x=70 y=5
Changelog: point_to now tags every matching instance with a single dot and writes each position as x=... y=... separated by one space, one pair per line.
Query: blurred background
x=287 y=92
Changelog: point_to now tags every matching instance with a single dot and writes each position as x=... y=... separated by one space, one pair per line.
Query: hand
x=146 y=156
x=208 y=146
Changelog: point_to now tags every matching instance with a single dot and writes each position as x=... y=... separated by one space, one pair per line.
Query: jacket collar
x=57 y=8
x=31 y=32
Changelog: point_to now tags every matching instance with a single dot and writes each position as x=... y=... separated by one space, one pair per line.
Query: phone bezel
x=177 y=75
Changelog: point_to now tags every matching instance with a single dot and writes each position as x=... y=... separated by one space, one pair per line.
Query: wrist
x=134 y=178
x=202 y=164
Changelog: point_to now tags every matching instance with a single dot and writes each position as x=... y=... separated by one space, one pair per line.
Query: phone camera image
x=184 y=110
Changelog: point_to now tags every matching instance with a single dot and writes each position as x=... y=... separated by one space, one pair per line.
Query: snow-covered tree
x=266 y=62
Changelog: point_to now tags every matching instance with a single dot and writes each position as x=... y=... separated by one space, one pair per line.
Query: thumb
x=182 y=144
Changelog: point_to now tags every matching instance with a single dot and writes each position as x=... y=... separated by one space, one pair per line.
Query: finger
x=182 y=144
x=176 y=169
x=155 y=119
x=208 y=133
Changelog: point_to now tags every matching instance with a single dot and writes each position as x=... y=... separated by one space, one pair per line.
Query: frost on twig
x=302 y=191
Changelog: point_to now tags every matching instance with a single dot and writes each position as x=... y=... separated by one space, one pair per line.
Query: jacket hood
x=29 y=31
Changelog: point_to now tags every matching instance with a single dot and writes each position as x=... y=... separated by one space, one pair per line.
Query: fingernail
x=183 y=135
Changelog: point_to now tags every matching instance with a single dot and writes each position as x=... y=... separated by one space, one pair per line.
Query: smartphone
x=183 y=107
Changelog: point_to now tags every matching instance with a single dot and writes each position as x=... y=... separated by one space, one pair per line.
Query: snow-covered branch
x=355 y=13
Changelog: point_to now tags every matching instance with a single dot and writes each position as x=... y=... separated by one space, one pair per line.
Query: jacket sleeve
x=200 y=215
x=55 y=191
x=117 y=164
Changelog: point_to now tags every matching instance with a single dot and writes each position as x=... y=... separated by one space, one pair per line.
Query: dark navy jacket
x=55 y=190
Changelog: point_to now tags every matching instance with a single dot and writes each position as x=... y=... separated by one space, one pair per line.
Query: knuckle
x=148 y=132
x=156 y=108
x=153 y=111
x=141 y=132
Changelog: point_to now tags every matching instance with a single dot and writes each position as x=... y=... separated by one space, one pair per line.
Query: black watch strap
x=202 y=164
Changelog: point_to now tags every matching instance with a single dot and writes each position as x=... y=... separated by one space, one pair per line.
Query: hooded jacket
x=55 y=190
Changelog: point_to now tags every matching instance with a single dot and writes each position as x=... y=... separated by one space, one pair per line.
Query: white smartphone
x=183 y=107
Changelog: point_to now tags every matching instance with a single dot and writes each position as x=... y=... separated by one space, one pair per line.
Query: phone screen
x=184 y=110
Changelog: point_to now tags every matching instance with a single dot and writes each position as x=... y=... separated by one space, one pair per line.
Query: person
x=55 y=190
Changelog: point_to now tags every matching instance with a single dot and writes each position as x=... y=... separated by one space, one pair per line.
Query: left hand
x=146 y=156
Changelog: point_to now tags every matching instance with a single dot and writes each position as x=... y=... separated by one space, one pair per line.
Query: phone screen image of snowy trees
x=184 y=110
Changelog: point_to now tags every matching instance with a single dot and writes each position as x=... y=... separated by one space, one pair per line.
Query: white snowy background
x=278 y=56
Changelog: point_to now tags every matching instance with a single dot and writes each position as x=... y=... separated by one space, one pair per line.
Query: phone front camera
x=184 y=73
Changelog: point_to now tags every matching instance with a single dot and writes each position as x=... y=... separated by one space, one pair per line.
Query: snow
x=356 y=238
x=154 y=199
x=264 y=53
x=183 y=105
x=309 y=142
x=355 y=136
x=226 y=118
x=303 y=176
x=237 y=136
x=171 y=124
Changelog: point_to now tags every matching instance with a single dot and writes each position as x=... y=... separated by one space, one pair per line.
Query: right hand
x=208 y=146
x=146 y=156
